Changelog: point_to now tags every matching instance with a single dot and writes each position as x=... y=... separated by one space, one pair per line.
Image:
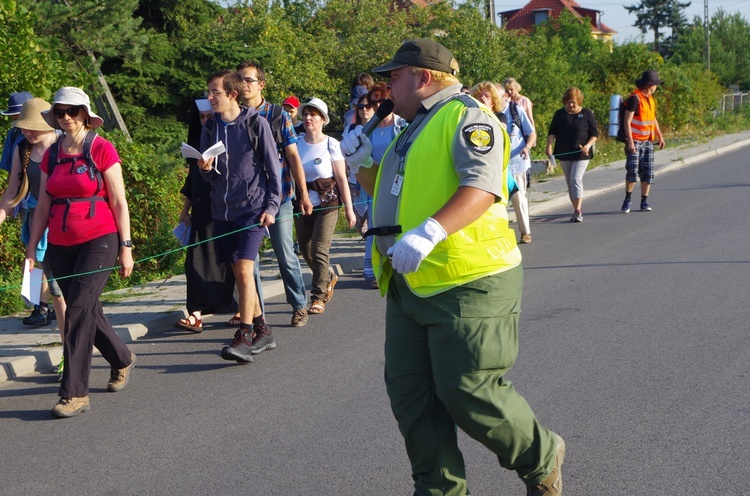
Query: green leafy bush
x=153 y=177
x=11 y=265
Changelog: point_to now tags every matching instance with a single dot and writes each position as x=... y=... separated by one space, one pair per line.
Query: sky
x=619 y=19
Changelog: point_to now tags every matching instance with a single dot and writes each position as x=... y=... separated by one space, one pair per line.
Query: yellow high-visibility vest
x=486 y=246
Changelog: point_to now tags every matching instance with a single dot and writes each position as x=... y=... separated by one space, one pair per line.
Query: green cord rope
x=161 y=255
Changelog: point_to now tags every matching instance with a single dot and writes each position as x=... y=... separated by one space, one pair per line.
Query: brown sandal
x=191 y=323
x=235 y=321
x=317 y=306
x=329 y=287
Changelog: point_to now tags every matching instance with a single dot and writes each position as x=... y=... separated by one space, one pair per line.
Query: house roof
x=523 y=18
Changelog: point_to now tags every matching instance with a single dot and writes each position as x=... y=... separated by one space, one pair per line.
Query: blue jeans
x=282 y=243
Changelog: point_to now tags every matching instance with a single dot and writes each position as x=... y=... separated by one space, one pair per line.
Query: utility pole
x=707 y=31
x=490 y=8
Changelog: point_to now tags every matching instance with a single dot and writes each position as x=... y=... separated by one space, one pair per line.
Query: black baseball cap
x=423 y=52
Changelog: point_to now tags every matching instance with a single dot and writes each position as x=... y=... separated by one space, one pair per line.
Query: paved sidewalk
x=135 y=312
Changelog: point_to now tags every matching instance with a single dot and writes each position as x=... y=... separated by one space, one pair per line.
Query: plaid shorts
x=641 y=163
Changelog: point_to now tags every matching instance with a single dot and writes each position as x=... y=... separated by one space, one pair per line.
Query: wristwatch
x=127 y=243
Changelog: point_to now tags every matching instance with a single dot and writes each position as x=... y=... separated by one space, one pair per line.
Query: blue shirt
x=518 y=165
x=12 y=139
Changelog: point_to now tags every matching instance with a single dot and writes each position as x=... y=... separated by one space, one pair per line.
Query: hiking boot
x=645 y=207
x=552 y=484
x=118 y=378
x=300 y=317
x=525 y=239
x=39 y=317
x=329 y=287
x=262 y=340
x=70 y=407
x=241 y=348
x=626 y=206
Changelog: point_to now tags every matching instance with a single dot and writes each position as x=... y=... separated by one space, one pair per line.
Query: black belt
x=383 y=231
x=68 y=201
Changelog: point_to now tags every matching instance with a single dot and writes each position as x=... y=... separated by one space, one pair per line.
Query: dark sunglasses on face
x=71 y=111
x=376 y=103
x=362 y=106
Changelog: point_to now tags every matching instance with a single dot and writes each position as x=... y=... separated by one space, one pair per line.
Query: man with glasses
x=451 y=271
x=292 y=183
x=245 y=198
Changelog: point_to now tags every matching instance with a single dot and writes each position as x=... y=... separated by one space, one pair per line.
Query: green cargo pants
x=445 y=357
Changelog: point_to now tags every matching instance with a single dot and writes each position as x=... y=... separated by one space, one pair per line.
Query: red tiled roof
x=523 y=18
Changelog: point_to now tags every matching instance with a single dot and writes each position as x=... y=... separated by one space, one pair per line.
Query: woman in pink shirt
x=82 y=201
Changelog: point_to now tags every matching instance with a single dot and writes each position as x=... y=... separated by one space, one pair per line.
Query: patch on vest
x=479 y=137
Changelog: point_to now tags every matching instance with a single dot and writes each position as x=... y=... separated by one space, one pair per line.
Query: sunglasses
x=362 y=106
x=71 y=111
x=376 y=103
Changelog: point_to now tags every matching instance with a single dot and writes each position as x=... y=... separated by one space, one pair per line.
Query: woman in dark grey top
x=573 y=131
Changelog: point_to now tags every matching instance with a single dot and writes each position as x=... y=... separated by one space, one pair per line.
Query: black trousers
x=85 y=323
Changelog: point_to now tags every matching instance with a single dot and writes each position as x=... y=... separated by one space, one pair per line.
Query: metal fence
x=733 y=101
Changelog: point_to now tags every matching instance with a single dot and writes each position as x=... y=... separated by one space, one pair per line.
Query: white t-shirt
x=316 y=161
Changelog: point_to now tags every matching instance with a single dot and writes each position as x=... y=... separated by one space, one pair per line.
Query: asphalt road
x=634 y=347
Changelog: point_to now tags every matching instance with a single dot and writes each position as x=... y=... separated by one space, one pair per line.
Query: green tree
x=27 y=60
x=657 y=15
x=105 y=28
x=730 y=47
x=567 y=56
x=483 y=51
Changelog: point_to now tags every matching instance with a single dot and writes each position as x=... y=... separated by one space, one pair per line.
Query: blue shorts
x=237 y=242
x=641 y=163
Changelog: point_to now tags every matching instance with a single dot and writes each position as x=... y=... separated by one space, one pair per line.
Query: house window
x=540 y=16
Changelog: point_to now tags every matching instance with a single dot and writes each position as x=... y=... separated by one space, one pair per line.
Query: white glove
x=415 y=245
x=357 y=150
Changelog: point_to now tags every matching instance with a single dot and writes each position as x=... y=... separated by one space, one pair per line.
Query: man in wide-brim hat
x=641 y=132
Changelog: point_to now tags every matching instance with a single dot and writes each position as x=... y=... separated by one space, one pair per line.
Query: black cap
x=423 y=52
x=649 y=78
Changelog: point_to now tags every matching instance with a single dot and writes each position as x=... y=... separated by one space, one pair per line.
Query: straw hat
x=319 y=105
x=31 y=116
x=69 y=95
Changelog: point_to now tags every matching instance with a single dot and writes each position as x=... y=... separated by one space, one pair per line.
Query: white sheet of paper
x=182 y=233
x=31 y=287
x=190 y=152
